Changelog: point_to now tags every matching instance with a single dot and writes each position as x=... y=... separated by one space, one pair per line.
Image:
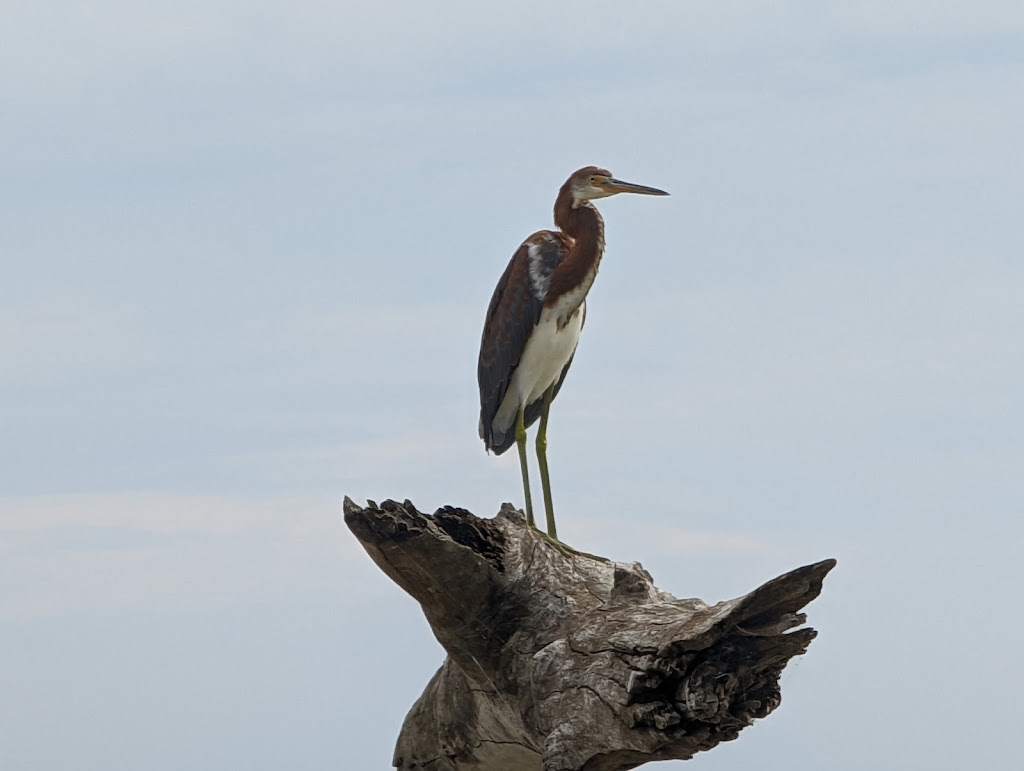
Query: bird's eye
x=593 y=180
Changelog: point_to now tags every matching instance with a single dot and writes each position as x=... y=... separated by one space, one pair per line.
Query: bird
x=534 y=320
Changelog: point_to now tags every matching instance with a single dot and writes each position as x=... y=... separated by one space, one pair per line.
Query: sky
x=246 y=249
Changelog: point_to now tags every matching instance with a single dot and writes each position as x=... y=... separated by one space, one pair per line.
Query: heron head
x=591 y=182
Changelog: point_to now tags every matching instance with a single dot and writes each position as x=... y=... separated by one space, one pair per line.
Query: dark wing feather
x=513 y=313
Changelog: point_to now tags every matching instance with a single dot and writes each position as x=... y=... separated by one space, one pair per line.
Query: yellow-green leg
x=545 y=479
x=521 y=441
x=542 y=459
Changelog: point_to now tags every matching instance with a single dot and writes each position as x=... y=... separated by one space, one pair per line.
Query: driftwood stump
x=571 y=662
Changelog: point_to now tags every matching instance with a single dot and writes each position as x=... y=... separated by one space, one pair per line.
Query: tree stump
x=569 y=662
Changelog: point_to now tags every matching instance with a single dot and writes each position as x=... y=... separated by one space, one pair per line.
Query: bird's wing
x=513 y=313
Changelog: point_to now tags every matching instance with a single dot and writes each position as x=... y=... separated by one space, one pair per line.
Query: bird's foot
x=565 y=549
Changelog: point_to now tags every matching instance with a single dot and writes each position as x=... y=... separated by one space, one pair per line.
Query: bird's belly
x=546 y=353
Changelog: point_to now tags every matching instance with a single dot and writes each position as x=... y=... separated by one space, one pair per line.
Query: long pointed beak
x=618 y=186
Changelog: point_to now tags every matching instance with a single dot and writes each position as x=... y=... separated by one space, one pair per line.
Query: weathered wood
x=569 y=662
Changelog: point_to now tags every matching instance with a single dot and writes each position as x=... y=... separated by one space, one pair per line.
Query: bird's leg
x=545 y=480
x=521 y=441
x=542 y=460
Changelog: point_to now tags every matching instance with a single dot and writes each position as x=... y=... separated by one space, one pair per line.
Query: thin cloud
x=94 y=552
x=52 y=339
x=611 y=538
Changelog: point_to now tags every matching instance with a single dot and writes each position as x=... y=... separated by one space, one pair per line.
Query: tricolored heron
x=534 y=320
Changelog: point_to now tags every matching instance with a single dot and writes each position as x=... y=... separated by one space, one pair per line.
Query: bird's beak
x=614 y=186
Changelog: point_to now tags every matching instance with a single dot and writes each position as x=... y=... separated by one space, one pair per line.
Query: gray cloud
x=246 y=253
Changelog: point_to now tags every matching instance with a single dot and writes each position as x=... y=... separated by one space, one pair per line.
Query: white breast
x=546 y=353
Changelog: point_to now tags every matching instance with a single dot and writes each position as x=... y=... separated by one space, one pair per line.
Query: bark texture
x=570 y=662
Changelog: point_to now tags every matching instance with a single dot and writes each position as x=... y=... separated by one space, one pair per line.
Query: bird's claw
x=565 y=549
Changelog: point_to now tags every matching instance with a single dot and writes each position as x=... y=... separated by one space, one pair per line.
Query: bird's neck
x=576 y=273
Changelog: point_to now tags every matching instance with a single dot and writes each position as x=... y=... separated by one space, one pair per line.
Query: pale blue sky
x=246 y=249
